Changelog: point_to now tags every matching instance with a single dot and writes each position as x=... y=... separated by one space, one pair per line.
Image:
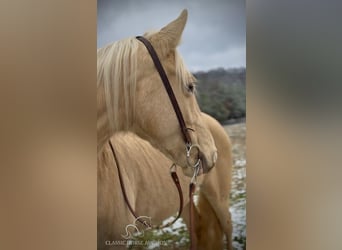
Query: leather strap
x=175 y=180
x=193 y=242
x=168 y=88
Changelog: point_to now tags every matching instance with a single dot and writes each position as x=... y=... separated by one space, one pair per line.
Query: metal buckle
x=173 y=168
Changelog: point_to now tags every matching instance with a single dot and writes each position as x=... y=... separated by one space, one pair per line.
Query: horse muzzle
x=208 y=164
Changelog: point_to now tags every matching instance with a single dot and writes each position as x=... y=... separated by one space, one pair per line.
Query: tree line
x=222 y=93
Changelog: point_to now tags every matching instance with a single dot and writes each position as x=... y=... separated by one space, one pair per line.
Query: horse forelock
x=184 y=76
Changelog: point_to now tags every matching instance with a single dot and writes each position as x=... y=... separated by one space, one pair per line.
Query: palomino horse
x=152 y=194
x=131 y=97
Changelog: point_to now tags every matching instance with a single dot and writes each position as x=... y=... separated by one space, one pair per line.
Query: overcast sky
x=215 y=34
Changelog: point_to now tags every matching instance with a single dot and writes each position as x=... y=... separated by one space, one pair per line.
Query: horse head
x=138 y=102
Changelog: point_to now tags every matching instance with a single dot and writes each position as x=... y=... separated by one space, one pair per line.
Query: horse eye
x=191 y=87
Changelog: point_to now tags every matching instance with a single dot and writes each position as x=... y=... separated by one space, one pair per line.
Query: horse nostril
x=215 y=157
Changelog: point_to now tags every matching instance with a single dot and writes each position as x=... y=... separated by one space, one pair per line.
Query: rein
x=188 y=145
x=175 y=180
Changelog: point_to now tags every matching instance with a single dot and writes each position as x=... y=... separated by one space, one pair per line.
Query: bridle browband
x=188 y=144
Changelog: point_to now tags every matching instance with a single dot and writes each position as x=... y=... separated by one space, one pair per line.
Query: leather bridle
x=167 y=85
x=188 y=145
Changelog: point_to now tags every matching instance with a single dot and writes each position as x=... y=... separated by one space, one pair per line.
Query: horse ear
x=173 y=31
x=170 y=36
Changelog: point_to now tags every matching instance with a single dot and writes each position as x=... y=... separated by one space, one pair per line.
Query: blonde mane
x=116 y=73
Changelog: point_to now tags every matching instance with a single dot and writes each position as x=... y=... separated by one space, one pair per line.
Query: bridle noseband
x=188 y=145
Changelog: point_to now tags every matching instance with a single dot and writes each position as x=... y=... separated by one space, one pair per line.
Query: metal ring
x=197 y=168
x=188 y=150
